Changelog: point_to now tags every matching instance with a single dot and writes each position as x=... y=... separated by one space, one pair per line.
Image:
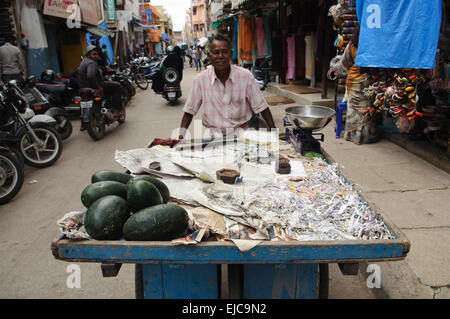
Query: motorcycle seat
x=52 y=88
x=89 y=90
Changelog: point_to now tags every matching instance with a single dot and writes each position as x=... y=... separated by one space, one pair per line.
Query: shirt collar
x=231 y=77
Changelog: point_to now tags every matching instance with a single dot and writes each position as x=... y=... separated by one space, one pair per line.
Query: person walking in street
x=228 y=93
x=12 y=66
x=189 y=55
x=90 y=76
x=197 y=59
x=105 y=55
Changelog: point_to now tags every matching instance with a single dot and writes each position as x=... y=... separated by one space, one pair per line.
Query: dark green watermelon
x=142 y=194
x=108 y=175
x=157 y=223
x=163 y=189
x=105 y=217
x=97 y=190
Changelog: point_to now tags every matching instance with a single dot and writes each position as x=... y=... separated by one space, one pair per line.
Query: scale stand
x=302 y=139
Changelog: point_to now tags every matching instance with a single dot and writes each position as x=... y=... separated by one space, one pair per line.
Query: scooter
x=172 y=89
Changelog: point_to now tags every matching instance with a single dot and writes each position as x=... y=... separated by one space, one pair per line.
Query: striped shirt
x=228 y=106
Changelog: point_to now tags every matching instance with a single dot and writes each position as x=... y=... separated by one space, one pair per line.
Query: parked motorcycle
x=261 y=71
x=41 y=105
x=113 y=73
x=37 y=141
x=58 y=90
x=11 y=170
x=135 y=71
x=96 y=112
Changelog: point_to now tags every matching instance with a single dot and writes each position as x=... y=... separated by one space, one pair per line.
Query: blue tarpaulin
x=103 y=40
x=398 y=34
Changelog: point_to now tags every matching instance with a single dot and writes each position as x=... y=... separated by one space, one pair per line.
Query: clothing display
x=290 y=74
x=235 y=39
x=300 y=56
x=309 y=58
x=246 y=39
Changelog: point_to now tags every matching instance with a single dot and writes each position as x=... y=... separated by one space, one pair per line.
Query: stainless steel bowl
x=310 y=117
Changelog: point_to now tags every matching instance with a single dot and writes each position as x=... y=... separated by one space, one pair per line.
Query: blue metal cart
x=273 y=269
x=270 y=270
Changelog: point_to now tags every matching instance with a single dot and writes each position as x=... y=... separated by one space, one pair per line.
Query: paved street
x=28 y=223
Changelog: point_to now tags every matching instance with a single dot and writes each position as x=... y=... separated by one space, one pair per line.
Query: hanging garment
x=309 y=58
x=246 y=40
x=300 y=56
x=235 y=39
x=261 y=41
x=284 y=53
x=290 y=74
x=398 y=34
x=268 y=35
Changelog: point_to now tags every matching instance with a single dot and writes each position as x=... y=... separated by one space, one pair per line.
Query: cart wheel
x=323 y=281
x=138 y=282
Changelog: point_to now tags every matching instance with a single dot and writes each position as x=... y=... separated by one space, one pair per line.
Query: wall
x=37 y=55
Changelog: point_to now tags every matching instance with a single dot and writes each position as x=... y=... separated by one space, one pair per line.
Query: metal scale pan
x=310 y=117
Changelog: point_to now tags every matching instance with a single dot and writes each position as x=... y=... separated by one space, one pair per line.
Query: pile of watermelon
x=135 y=208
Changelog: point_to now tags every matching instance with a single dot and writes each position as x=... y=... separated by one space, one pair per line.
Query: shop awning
x=96 y=30
x=149 y=26
x=216 y=24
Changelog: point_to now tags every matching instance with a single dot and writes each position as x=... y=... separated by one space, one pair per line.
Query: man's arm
x=267 y=115
x=185 y=122
x=258 y=102
x=193 y=103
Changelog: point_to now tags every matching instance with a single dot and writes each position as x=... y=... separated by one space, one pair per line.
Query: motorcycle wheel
x=96 y=125
x=65 y=131
x=44 y=155
x=14 y=151
x=122 y=118
x=132 y=91
x=11 y=177
x=141 y=81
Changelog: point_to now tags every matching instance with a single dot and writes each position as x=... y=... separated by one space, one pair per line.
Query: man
x=198 y=58
x=189 y=54
x=12 y=66
x=105 y=57
x=228 y=94
x=90 y=76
